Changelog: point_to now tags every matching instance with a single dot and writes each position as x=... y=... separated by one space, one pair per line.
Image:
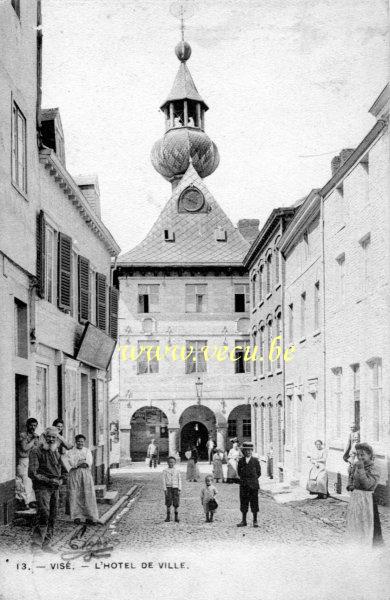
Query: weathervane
x=182 y=9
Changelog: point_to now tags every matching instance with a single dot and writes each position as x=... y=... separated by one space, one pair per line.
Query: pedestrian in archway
x=152 y=453
x=192 y=466
x=210 y=447
x=232 y=462
x=217 y=465
x=249 y=472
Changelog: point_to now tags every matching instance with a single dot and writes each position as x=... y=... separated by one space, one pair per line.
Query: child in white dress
x=207 y=498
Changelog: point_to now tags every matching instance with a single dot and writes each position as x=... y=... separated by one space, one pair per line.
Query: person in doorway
x=232 y=462
x=192 y=465
x=81 y=487
x=172 y=488
x=363 y=524
x=207 y=498
x=249 y=471
x=210 y=447
x=64 y=445
x=27 y=441
x=45 y=473
x=350 y=443
x=152 y=453
x=217 y=465
x=318 y=476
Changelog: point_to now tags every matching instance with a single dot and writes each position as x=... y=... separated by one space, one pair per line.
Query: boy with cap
x=172 y=488
x=249 y=471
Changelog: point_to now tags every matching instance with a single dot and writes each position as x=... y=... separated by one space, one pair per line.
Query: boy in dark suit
x=249 y=471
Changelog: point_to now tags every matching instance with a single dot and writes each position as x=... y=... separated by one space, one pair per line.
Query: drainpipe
x=322 y=219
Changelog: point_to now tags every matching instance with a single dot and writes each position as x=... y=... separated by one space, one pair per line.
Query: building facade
x=184 y=296
x=51 y=237
x=266 y=279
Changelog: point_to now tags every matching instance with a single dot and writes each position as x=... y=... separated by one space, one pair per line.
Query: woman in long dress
x=217 y=465
x=363 y=524
x=82 y=498
x=192 y=467
x=232 y=462
x=318 y=476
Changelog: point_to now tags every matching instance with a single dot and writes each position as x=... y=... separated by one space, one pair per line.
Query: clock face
x=192 y=199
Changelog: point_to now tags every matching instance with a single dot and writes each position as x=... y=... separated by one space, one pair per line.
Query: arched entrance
x=195 y=434
x=240 y=424
x=148 y=422
x=196 y=424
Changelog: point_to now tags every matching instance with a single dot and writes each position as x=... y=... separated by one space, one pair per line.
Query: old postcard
x=194 y=299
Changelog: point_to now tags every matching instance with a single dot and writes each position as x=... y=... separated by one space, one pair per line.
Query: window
x=60 y=147
x=16 y=6
x=356 y=394
x=163 y=431
x=303 y=315
x=280 y=429
x=19 y=149
x=289 y=420
x=169 y=235
x=270 y=425
x=113 y=312
x=246 y=428
x=148 y=297
x=269 y=340
x=291 y=322
x=232 y=428
x=92 y=292
x=254 y=342
x=261 y=349
x=147 y=361
x=241 y=297
x=21 y=329
x=196 y=297
x=64 y=272
x=262 y=428
x=269 y=273
x=261 y=283
x=254 y=291
x=195 y=361
x=220 y=235
x=341 y=277
x=101 y=301
x=278 y=332
x=277 y=266
x=50 y=262
x=337 y=395
x=241 y=366
x=376 y=397
x=365 y=263
x=317 y=306
x=83 y=295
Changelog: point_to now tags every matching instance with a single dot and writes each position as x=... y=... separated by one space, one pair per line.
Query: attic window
x=220 y=235
x=169 y=235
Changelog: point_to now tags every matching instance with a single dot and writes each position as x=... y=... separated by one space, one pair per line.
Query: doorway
x=195 y=434
x=21 y=405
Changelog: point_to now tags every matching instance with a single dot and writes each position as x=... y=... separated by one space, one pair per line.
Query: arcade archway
x=196 y=424
x=148 y=422
x=240 y=424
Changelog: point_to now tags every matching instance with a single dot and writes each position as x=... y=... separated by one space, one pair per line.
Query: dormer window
x=52 y=133
x=220 y=235
x=169 y=235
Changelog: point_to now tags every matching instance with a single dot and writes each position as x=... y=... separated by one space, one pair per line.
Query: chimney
x=249 y=228
x=340 y=159
x=89 y=186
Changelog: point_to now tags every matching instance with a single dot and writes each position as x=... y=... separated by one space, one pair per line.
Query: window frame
x=17 y=115
x=246 y=296
x=197 y=345
x=194 y=288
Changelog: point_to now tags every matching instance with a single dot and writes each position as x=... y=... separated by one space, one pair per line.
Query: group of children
x=172 y=489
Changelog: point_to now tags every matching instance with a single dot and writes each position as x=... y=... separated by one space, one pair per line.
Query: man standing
x=353 y=430
x=152 y=453
x=249 y=471
x=45 y=473
x=210 y=448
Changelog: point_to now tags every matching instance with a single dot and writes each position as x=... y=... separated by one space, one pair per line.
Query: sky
x=288 y=83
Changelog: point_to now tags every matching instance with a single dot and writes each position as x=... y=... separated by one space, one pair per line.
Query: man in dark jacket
x=249 y=471
x=45 y=473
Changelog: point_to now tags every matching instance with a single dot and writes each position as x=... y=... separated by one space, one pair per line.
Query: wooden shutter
x=114 y=297
x=41 y=253
x=101 y=301
x=64 y=271
x=83 y=291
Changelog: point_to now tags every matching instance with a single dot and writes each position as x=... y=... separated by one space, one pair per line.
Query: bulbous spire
x=183 y=51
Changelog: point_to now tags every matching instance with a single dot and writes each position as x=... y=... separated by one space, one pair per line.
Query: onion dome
x=171 y=155
x=183 y=51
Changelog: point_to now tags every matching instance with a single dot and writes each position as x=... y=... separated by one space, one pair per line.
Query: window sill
x=279 y=371
x=362 y=299
x=316 y=332
x=268 y=296
x=17 y=188
x=278 y=286
x=303 y=339
x=262 y=377
x=261 y=303
x=270 y=374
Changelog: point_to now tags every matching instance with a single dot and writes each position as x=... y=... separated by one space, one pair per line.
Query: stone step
x=109 y=498
x=100 y=490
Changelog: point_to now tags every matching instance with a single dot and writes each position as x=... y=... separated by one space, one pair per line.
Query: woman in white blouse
x=80 y=483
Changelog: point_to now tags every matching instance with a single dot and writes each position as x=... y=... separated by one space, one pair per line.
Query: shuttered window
x=83 y=289
x=101 y=301
x=114 y=296
x=41 y=258
x=64 y=271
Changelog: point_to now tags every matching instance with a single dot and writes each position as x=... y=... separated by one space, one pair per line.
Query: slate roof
x=184 y=87
x=195 y=243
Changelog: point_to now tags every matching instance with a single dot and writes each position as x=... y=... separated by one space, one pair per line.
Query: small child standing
x=172 y=488
x=207 y=498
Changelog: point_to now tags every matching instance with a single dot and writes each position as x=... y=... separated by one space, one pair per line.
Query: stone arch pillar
x=173 y=441
x=221 y=436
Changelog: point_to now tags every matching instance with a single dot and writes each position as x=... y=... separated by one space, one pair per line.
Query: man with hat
x=249 y=471
x=45 y=473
